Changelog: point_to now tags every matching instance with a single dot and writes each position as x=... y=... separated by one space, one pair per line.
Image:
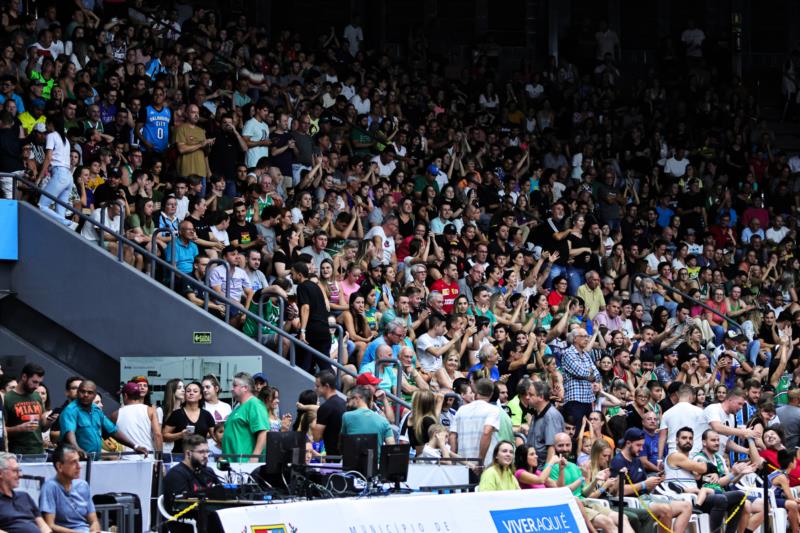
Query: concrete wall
x=118 y=310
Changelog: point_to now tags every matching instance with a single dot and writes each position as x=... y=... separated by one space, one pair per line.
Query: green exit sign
x=201 y=337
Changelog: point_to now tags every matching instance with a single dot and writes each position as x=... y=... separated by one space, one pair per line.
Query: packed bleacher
x=570 y=275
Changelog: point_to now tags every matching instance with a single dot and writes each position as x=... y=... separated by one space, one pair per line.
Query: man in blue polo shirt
x=185 y=248
x=83 y=424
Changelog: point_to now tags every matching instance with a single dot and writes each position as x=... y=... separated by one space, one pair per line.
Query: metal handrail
x=341 y=350
x=396 y=362
x=281 y=323
x=18 y=177
x=172 y=252
x=695 y=300
x=101 y=237
x=207 y=280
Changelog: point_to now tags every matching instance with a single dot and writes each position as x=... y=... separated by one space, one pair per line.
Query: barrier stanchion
x=620 y=503
x=765 y=526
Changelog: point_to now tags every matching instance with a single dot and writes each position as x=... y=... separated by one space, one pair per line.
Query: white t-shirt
x=715 y=413
x=693 y=39
x=777 y=236
x=90 y=233
x=387 y=243
x=675 y=167
x=219 y=410
x=427 y=361
x=220 y=234
x=255 y=131
x=384 y=170
x=362 y=106
x=353 y=35
x=680 y=415
x=183 y=207
x=653 y=260
x=60 y=150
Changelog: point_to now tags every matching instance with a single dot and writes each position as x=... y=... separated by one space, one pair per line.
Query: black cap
x=449 y=228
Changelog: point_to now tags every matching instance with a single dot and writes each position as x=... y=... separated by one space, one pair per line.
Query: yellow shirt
x=593 y=299
x=28 y=122
x=494 y=479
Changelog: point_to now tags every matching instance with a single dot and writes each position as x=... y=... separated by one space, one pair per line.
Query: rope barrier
x=668 y=529
x=645 y=507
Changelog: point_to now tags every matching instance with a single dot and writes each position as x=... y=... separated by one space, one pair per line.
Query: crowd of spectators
x=576 y=274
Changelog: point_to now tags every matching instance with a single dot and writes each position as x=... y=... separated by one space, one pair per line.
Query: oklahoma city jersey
x=156 y=127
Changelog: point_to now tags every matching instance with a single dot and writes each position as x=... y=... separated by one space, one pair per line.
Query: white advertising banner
x=523 y=511
x=107 y=476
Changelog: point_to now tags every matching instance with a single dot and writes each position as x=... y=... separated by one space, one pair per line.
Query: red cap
x=367 y=378
x=131 y=389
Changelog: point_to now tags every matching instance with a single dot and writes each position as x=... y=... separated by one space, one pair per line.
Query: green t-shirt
x=272 y=314
x=18 y=409
x=721 y=470
x=360 y=136
x=242 y=427
x=571 y=473
x=506 y=430
x=420 y=182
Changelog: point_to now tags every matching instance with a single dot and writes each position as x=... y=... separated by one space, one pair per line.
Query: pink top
x=522 y=485
x=347 y=290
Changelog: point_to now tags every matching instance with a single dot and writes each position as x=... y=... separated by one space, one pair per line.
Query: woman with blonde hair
x=598 y=484
x=425 y=410
x=449 y=371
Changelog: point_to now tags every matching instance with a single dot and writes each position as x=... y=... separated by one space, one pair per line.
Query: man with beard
x=680 y=471
x=637 y=483
x=725 y=477
x=23 y=411
x=622 y=364
x=192 y=474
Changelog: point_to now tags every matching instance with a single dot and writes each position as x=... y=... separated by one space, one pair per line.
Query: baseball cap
x=367 y=378
x=40 y=127
x=131 y=389
x=449 y=228
x=647 y=358
x=433 y=169
x=114 y=172
x=632 y=435
x=260 y=376
x=375 y=263
x=735 y=335
x=690 y=231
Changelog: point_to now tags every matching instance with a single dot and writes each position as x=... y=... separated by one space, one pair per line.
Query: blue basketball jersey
x=156 y=128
